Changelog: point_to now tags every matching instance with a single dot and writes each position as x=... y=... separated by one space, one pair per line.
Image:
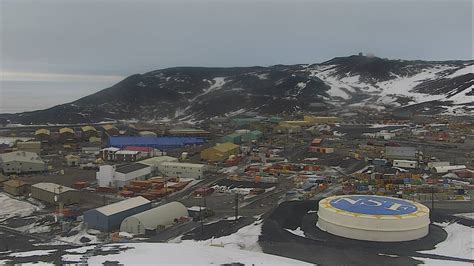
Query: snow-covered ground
x=459 y=242
x=11 y=207
x=245 y=238
x=185 y=254
x=297 y=232
x=40 y=252
x=469 y=216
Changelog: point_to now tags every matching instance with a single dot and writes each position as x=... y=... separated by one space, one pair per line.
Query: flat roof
x=125 y=169
x=123 y=205
x=52 y=187
x=158 y=160
x=373 y=205
x=184 y=164
x=21 y=156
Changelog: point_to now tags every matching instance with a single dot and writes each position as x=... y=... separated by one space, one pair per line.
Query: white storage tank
x=373 y=218
x=154 y=219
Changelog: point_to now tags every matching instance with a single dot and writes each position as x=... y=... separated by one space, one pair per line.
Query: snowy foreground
x=190 y=254
x=241 y=246
x=459 y=243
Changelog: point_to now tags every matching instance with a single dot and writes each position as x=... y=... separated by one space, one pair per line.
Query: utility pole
x=200 y=219
x=432 y=198
x=236 y=206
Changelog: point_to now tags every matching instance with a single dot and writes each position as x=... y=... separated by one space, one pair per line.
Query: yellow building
x=321 y=119
x=111 y=130
x=66 y=134
x=31 y=146
x=220 y=152
x=88 y=131
x=42 y=134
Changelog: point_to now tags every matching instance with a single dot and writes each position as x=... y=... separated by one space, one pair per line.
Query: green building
x=232 y=138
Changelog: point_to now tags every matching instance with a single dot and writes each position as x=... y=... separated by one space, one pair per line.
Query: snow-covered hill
x=197 y=93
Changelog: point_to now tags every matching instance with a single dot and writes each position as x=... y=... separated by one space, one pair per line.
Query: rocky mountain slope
x=198 y=93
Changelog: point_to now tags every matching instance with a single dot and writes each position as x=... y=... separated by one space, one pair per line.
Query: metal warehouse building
x=19 y=162
x=109 y=218
x=54 y=194
x=400 y=153
x=373 y=218
x=156 y=218
x=220 y=152
x=161 y=143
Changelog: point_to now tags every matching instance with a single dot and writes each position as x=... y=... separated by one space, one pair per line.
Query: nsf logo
x=373 y=205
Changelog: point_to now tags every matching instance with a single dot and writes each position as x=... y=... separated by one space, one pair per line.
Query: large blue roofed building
x=162 y=143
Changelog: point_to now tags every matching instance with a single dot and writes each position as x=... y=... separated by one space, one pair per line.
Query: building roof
x=158 y=160
x=193 y=130
x=155 y=142
x=404 y=151
x=66 y=130
x=447 y=168
x=88 y=128
x=42 y=131
x=109 y=127
x=227 y=146
x=128 y=168
x=94 y=139
x=14 y=183
x=197 y=165
x=28 y=144
x=52 y=187
x=147 y=133
x=21 y=156
x=112 y=149
x=138 y=148
x=123 y=205
x=72 y=156
x=127 y=152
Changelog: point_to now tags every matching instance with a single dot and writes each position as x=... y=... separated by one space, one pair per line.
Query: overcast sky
x=102 y=41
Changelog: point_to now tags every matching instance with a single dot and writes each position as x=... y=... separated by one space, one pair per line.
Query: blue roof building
x=161 y=143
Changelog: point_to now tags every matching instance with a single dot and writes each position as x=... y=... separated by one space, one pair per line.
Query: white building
x=405 y=164
x=19 y=162
x=112 y=176
x=435 y=164
x=447 y=169
x=154 y=162
x=189 y=170
x=384 y=134
x=154 y=219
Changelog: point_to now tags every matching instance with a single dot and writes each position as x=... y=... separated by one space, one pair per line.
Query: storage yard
x=95 y=185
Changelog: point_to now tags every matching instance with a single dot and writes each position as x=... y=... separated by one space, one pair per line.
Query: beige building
x=15 y=187
x=43 y=134
x=66 y=134
x=220 y=152
x=88 y=132
x=54 y=194
x=111 y=130
x=19 y=162
x=30 y=146
x=72 y=160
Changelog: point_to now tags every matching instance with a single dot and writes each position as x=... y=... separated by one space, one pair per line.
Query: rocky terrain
x=194 y=94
